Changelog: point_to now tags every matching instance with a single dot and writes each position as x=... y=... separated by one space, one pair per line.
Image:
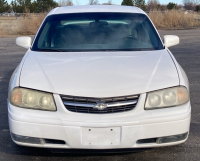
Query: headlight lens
x=32 y=99
x=167 y=98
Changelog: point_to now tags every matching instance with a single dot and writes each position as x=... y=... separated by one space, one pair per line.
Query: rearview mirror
x=24 y=42
x=171 y=40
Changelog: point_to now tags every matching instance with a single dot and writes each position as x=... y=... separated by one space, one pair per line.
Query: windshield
x=97 y=32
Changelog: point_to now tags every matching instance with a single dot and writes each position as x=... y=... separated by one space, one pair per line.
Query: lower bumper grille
x=100 y=105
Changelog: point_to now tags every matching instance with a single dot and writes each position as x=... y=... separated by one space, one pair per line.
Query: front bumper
x=74 y=128
x=72 y=135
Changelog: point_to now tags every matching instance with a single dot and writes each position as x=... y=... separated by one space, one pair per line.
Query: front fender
x=183 y=79
x=15 y=78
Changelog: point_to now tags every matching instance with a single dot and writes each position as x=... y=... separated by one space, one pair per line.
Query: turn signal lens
x=27 y=98
x=16 y=96
x=167 y=98
x=183 y=95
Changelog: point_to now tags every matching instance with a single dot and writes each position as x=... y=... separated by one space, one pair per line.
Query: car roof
x=96 y=8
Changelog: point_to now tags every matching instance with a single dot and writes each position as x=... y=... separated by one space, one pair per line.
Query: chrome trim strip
x=98 y=99
x=121 y=103
x=78 y=104
x=108 y=105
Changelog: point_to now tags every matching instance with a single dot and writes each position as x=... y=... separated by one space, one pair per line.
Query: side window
x=152 y=36
x=43 y=40
x=56 y=31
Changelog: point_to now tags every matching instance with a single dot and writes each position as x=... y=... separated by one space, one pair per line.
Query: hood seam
x=173 y=59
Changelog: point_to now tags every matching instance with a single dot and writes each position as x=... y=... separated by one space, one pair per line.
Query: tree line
x=151 y=5
x=38 y=6
x=23 y=6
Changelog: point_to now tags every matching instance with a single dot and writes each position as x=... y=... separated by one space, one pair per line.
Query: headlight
x=32 y=99
x=167 y=98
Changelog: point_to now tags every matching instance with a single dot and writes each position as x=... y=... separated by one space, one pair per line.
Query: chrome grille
x=86 y=105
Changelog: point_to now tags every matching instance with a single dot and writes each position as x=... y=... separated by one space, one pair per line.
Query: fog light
x=26 y=139
x=174 y=138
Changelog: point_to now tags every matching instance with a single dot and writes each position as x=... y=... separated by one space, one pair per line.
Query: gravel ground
x=187 y=54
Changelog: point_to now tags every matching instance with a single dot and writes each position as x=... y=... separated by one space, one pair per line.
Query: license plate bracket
x=101 y=136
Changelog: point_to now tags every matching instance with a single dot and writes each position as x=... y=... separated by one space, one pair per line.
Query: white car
x=98 y=77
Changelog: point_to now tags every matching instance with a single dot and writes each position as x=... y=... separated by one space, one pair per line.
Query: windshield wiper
x=52 y=50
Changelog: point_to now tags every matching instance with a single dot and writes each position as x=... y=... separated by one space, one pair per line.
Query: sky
x=83 y=2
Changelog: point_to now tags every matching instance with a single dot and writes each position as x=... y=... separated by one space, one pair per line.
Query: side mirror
x=171 y=40
x=24 y=42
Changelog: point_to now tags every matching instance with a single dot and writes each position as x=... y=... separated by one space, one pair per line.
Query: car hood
x=99 y=74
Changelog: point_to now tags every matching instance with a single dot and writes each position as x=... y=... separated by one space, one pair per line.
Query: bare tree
x=163 y=7
x=108 y=3
x=191 y=4
x=65 y=3
x=152 y=5
x=93 y=2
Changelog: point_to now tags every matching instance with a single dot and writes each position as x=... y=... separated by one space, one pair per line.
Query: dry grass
x=7 y=18
x=174 y=19
x=2 y=31
x=29 y=24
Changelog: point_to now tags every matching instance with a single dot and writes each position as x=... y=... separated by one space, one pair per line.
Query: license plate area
x=101 y=136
